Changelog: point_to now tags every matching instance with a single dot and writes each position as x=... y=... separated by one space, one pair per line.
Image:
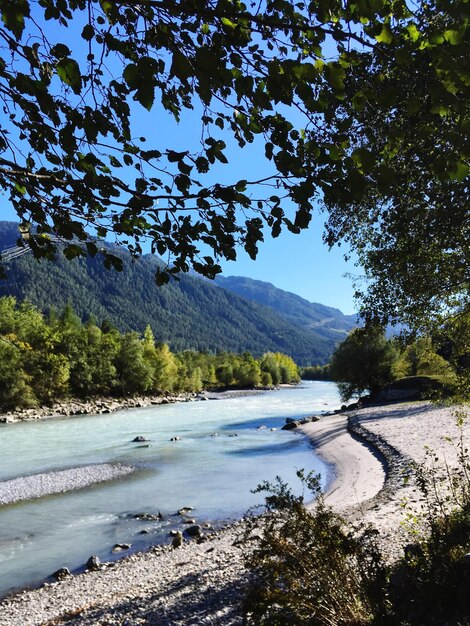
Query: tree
x=363 y=362
x=420 y=359
x=360 y=106
x=224 y=374
x=248 y=372
x=134 y=372
x=14 y=383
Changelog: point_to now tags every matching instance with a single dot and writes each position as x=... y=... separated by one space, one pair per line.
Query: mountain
x=191 y=313
x=323 y=321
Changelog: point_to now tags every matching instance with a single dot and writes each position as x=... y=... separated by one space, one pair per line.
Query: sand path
x=358 y=473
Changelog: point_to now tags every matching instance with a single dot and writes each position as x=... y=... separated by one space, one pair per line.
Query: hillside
x=325 y=322
x=189 y=313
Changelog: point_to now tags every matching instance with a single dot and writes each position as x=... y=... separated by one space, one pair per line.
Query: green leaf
x=88 y=32
x=131 y=75
x=460 y=172
x=364 y=159
x=454 y=37
x=335 y=75
x=20 y=188
x=13 y=14
x=180 y=66
x=386 y=35
x=228 y=23
x=145 y=94
x=69 y=73
x=413 y=32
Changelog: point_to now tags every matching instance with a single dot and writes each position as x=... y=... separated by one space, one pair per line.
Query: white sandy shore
x=203 y=584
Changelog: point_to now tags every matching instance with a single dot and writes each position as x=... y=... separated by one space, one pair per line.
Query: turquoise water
x=213 y=474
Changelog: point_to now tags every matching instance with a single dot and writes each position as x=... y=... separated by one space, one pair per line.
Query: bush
x=309 y=569
x=432 y=581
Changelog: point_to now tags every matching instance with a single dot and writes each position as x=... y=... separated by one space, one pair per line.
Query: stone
x=177 y=540
x=194 y=531
x=148 y=517
x=140 y=439
x=61 y=573
x=93 y=563
x=290 y=426
x=184 y=510
x=120 y=547
x=175 y=438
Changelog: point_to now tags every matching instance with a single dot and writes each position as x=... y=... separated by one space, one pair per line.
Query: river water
x=209 y=469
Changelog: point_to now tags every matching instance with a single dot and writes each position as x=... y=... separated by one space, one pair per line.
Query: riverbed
x=221 y=450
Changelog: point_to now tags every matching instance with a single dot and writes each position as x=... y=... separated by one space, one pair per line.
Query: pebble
x=48 y=483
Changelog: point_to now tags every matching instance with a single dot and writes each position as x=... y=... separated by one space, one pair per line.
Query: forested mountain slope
x=327 y=322
x=190 y=313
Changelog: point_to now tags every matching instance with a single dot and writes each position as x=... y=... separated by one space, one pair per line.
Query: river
x=226 y=448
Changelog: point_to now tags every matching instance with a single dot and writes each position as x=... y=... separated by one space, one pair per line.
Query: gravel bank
x=192 y=585
x=39 y=485
x=203 y=583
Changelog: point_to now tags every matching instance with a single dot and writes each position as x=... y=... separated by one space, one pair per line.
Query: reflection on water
x=226 y=449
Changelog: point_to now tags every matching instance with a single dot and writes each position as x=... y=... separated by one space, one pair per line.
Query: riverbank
x=110 y=404
x=203 y=583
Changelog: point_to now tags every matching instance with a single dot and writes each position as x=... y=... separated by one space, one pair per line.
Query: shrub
x=431 y=584
x=309 y=569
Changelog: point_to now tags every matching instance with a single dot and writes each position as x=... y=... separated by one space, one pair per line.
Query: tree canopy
x=364 y=361
x=361 y=108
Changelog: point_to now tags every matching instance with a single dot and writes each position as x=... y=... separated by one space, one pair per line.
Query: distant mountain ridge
x=328 y=321
x=191 y=313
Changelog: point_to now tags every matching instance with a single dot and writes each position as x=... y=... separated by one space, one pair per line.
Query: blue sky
x=298 y=263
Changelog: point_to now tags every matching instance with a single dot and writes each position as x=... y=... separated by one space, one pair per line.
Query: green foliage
x=363 y=362
x=430 y=585
x=224 y=374
x=420 y=359
x=308 y=569
x=135 y=373
x=315 y=372
x=362 y=105
x=14 y=387
x=248 y=372
x=45 y=359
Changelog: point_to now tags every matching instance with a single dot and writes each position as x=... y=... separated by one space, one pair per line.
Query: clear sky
x=301 y=264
